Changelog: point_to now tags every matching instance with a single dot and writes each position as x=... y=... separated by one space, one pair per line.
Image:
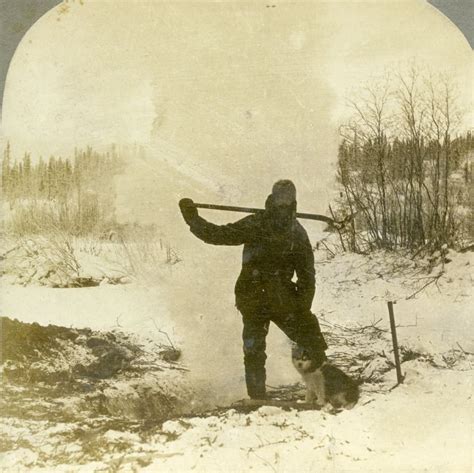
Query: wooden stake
x=395 y=342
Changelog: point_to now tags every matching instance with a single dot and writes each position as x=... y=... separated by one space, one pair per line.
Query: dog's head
x=303 y=361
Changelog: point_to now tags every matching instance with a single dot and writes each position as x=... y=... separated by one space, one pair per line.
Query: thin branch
x=433 y=280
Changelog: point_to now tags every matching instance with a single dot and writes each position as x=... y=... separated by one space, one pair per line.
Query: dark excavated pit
x=60 y=373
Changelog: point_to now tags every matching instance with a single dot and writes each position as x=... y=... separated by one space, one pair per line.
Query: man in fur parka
x=276 y=247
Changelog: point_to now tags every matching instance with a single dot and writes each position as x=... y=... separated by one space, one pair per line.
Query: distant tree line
x=75 y=195
x=404 y=168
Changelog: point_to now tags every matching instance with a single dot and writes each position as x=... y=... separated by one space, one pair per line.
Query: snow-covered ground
x=425 y=424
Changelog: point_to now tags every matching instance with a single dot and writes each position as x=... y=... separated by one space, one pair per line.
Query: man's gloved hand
x=188 y=210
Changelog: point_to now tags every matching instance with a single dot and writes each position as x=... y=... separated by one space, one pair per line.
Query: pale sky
x=226 y=97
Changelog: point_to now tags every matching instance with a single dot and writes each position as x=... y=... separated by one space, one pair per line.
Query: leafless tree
x=397 y=160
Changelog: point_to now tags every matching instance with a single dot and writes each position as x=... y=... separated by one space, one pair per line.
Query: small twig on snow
x=464 y=351
x=265 y=461
x=326 y=246
x=434 y=280
x=164 y=333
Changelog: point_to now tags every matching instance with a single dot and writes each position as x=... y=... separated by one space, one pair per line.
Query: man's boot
x=255 y=379
x=254 y=359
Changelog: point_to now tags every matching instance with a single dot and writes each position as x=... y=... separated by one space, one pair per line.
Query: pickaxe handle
x=231 y=208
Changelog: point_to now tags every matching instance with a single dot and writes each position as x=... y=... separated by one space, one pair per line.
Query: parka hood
x=281 y=220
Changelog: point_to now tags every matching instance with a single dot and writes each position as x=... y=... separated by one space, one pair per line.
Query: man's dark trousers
x=302 y=328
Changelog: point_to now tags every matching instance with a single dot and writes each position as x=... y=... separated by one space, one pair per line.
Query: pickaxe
x=322 y=218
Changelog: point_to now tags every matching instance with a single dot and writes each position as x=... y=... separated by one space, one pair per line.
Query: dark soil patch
x=68 y=374
x=22 y=341
x=52 y=354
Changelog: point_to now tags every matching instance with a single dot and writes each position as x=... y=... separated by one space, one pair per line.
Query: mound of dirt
x=31 y=352
x=97 y=373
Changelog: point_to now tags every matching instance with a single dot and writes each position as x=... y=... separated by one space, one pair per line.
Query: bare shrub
x=49 y=260
x=140 y=253
x=36 y=217
x=402 y=167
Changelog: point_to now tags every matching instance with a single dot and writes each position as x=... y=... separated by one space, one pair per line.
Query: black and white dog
x=324 y=382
